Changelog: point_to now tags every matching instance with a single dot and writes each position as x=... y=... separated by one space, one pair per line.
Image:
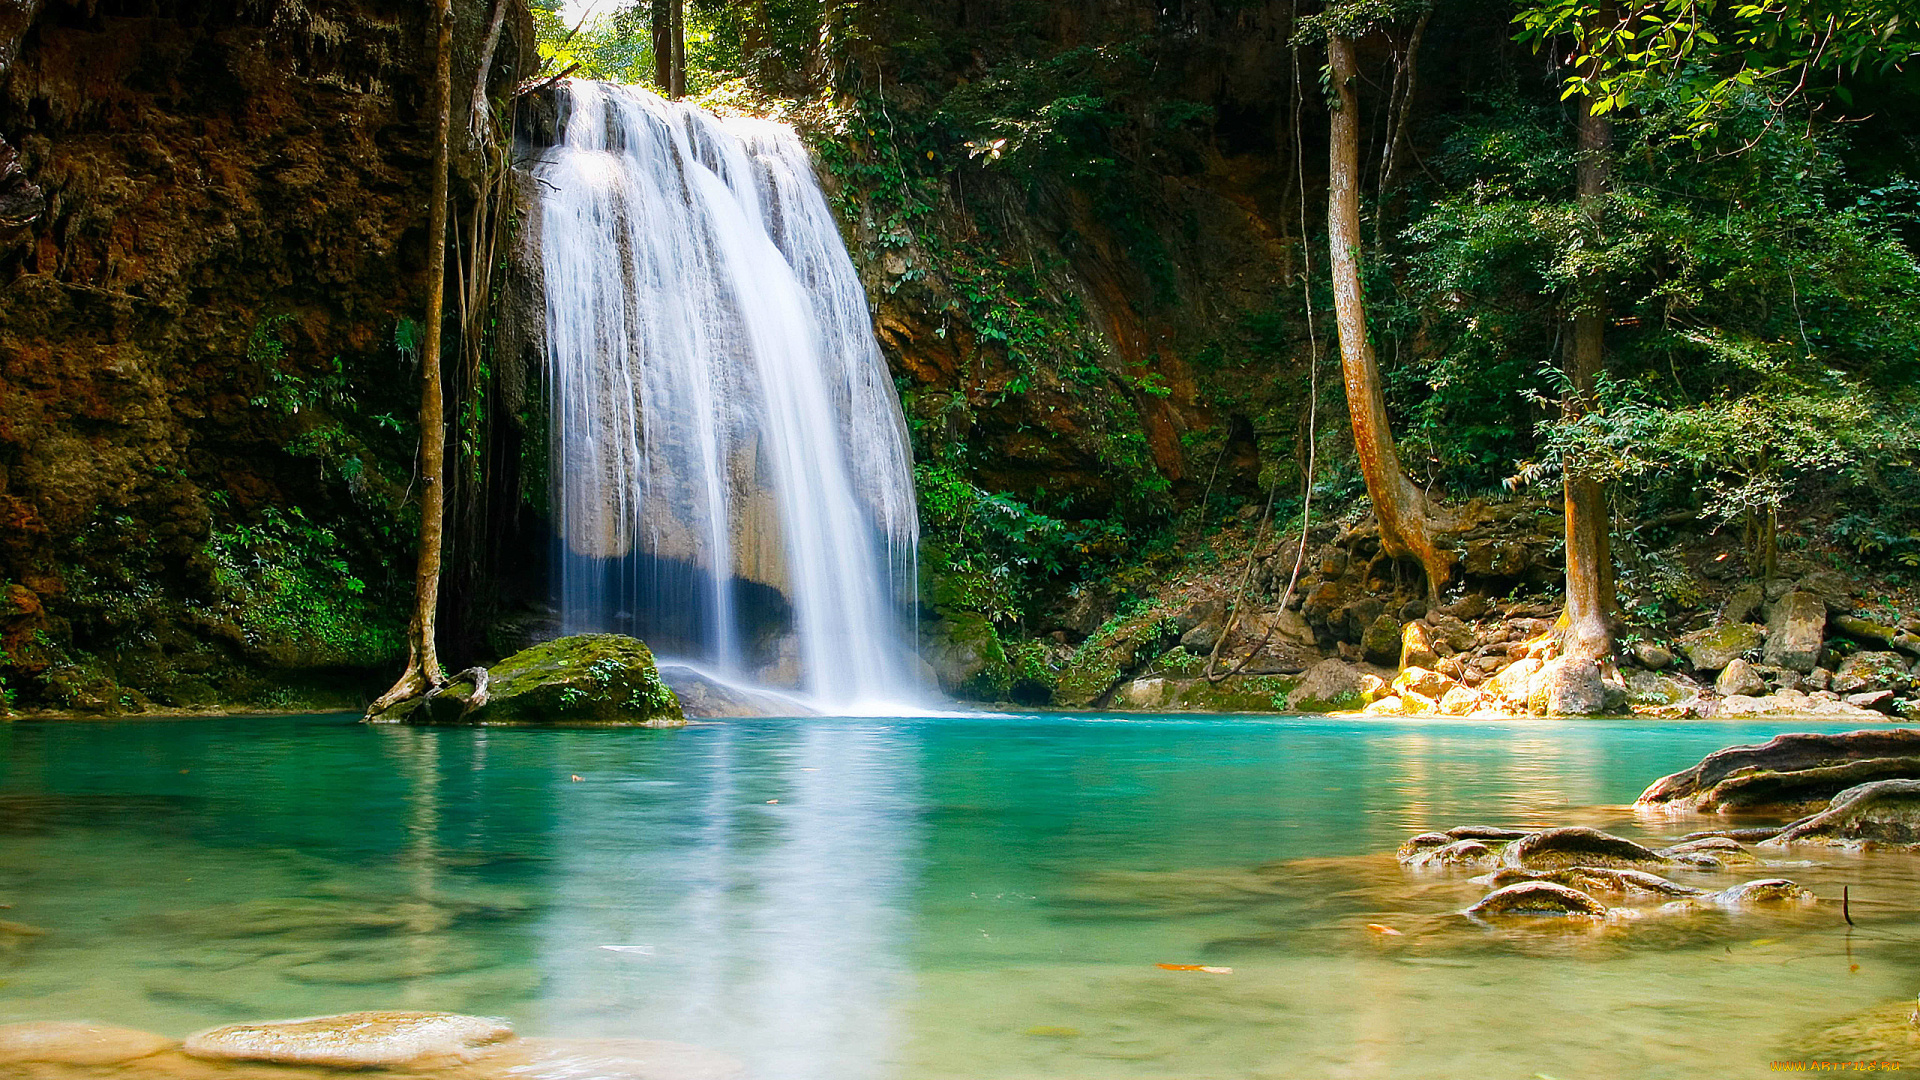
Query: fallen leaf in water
x=642 y=950
x=1387 y=930
x=770 y=802
x=1052 y=1031
x=575 y=778
x=1195 y=967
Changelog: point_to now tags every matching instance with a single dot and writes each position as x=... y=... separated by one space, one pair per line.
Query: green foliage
x=288 y=584
x=1704 y=57
x=1766 y=312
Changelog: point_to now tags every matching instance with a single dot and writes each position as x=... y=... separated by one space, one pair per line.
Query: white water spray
x=731 y=473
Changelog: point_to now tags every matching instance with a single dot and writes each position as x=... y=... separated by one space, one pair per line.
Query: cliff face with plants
x=210 y=276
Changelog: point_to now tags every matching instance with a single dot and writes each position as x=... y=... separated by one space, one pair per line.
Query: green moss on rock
x=1115 y=650
x=583 y=679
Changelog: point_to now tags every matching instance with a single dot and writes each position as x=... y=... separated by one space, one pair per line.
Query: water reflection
x=756 y=894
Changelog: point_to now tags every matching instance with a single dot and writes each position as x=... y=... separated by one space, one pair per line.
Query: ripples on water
x=928 y=898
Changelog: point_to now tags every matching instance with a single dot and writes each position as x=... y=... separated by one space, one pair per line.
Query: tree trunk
x=1406 y=518
x=423 y=662
x=678 y=88
x=1589 y=612
x=662 y=47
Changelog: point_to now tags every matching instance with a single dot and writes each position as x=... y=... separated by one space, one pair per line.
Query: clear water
x=731 y=474
x=908 y=899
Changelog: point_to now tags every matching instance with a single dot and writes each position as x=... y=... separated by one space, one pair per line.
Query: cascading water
x=731 y=473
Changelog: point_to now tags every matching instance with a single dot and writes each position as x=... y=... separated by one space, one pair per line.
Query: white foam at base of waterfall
x=731 y=477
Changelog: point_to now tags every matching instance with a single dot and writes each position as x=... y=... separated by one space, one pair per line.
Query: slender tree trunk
x=1589 y=611
x=1406 y=519
x=678 y=87
x=662 y=47
x=423 y=661
x=477 y=110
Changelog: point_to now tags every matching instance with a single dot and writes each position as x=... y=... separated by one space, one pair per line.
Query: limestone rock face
x=1717 y=646
x=1739 y=678
x=583 y=679
x=363 y=1040
x=1537 y=898
x=62 y=1043
x=1796 y=632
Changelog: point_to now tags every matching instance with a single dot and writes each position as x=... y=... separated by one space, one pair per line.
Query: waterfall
x=731 y=478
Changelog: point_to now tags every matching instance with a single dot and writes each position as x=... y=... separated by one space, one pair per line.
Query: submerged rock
x=1592 y=879
x=55 y=1042
x=1760 y=893
x=1537 y=898
x=1711 y=853
x=362 y=1040
x=602 y=1059
x=1458 y=853
x=1883 y=813
x=1885 y=1033
x=1796 y=770
x=583 y=679
x=1576 y=845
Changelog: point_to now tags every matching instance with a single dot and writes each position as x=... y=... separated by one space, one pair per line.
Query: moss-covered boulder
x=583 y=679
x=1715 y=647
x=1105 y=660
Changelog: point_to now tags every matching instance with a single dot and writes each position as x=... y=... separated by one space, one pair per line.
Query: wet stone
x=1537 y=898
x=359 y=1040
x=1553 y=849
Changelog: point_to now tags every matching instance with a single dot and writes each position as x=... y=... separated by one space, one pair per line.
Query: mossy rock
x=1717 y=646
x=583 y=679
x=1106 y=658
x=1235 y=694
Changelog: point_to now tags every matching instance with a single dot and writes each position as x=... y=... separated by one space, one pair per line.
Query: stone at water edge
x=362 y=1040
x=583 y=679
x=1739 y=678
x=56 y=1042
x=1567 y=686
x=1333 y=685
x=1416 y=647
x=1537 y=898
